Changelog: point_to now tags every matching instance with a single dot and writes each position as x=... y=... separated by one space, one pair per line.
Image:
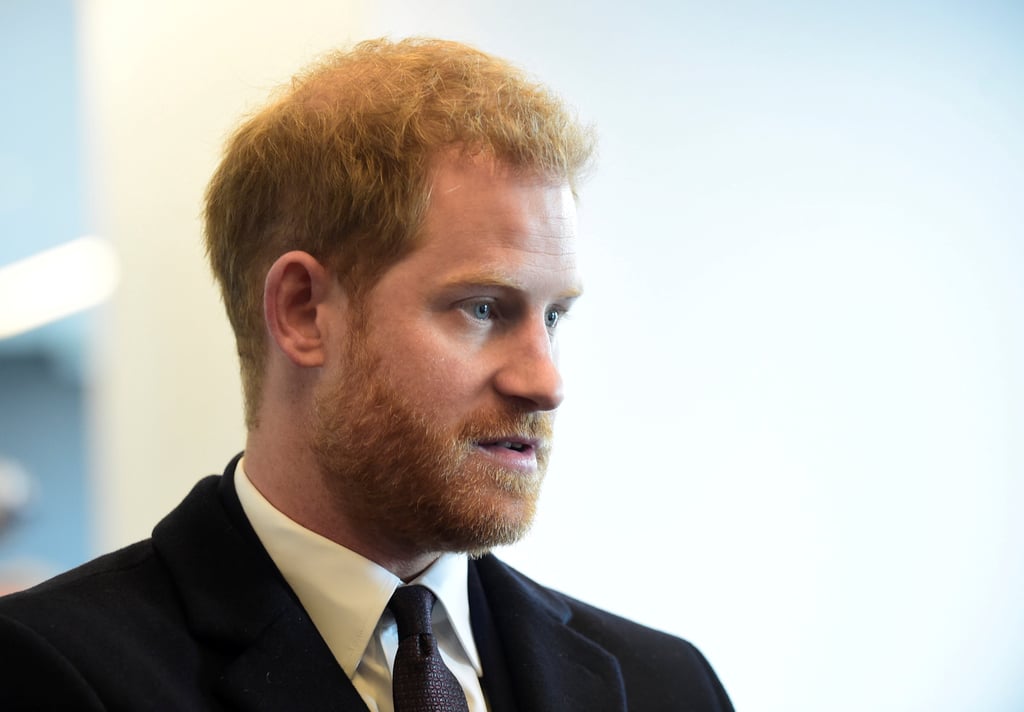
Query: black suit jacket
x=199 y=618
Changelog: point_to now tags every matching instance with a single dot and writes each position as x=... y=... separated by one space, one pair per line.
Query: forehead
x=485 y=216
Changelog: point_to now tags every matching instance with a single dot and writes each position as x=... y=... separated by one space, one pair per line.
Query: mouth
x=518 y=445
x=515 y=453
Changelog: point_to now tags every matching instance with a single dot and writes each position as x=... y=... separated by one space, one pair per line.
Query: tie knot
x=411 y=606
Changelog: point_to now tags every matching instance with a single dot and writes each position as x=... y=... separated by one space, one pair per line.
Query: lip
x=513 y=451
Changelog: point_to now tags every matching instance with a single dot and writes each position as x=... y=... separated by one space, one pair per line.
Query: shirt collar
x=345 y=593
x=448 y=578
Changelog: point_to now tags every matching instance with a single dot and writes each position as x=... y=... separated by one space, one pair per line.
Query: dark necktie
x=422 y=682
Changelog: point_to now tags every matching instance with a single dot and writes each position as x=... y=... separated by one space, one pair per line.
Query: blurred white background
x=795 y=384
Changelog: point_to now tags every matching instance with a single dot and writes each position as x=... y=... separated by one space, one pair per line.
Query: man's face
x=436 y=431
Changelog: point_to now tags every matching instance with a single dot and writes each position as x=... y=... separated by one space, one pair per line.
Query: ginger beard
x=401 y=476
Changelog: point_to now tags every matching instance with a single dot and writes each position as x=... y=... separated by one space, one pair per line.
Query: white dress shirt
x=346 y=597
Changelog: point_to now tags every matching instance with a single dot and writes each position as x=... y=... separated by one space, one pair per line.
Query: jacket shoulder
x=659 y=671
x=78 y=636
x=114 y=628
x=86 y=588
x=651 y=654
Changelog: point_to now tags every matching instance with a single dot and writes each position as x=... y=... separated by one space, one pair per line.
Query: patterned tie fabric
x=422 y=682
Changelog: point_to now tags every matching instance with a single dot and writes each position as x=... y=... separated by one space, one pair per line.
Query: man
x=394 y=238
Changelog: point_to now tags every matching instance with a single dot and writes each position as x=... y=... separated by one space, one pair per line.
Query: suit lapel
x=287 y=668
x=551 y=667
x=236 y=601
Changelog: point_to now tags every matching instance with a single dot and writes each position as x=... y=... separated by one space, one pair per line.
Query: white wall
x=165 y=83
x=795 y=381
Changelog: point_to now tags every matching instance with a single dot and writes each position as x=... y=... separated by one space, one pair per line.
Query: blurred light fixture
x=15 y=491
x=56 y=283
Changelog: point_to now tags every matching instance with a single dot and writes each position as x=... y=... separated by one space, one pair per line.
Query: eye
x=552 y=317
x=480 y=310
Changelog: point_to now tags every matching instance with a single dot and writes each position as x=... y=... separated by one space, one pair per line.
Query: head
x=400 y=224
x=338 y=165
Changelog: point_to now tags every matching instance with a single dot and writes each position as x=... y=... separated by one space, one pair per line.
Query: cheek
x=444 y=377
x=442 y=380
x=438 y=372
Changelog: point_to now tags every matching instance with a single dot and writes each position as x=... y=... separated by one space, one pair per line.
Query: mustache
x=496 y=426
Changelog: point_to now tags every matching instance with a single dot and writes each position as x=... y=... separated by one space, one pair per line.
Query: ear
x=295 y=303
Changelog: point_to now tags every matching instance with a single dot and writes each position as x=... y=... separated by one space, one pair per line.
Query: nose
x=529 y=369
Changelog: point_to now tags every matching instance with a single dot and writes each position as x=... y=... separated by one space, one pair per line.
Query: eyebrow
x=499 y=280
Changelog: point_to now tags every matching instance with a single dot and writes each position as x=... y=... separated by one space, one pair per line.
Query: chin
x=500 y=522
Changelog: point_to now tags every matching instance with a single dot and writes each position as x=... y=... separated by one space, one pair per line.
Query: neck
x=290 y=479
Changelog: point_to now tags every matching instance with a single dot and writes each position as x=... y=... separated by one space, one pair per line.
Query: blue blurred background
x=42 y=383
